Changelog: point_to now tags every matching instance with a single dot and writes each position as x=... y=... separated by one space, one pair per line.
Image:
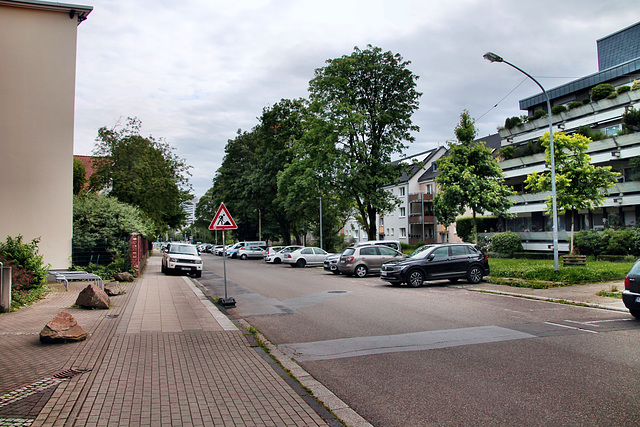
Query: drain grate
x=336 y=292
x=70 y=373
x=111 y=316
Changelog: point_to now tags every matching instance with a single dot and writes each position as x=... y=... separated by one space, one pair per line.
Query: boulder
x=113 y=289
x=62 y=328
x=93 y=297
x=123 y=277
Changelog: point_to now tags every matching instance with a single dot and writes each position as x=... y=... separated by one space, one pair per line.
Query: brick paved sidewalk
x=162 y=355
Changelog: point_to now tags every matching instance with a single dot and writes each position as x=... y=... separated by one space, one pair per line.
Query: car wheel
x=415 y=278
x=277 y=261
x=243 y=256
x=361 y=271
x=301 y=262
x=336 y=271
x=635 y=313
x=454 y=280
x=163 y=268
x=474 y=275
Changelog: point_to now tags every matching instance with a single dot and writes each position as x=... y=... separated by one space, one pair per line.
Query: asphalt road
x=442 y=354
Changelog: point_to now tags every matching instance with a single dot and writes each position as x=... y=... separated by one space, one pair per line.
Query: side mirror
x=430 y=257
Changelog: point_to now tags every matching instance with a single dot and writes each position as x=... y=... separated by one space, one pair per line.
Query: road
x=442 y=354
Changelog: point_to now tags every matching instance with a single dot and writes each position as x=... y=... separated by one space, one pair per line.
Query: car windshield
x=421 y=252
x=183 y=249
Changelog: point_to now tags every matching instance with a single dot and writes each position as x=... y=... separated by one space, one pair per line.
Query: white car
x=306 y=256
x=181 y=257
x=247 y=252
x=277 y=257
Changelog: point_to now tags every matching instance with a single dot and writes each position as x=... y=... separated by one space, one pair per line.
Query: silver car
x=306 y=256
x=277 y=257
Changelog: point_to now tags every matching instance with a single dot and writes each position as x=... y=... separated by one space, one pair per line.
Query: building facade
x=37 y=91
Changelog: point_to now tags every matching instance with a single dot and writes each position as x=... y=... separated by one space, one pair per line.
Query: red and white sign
x=223 y=220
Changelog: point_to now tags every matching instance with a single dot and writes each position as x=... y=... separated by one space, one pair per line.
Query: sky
x=197 y=71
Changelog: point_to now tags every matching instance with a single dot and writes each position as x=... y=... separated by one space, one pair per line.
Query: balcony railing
x=416 y=240
x=420 y=219
x=420 y=197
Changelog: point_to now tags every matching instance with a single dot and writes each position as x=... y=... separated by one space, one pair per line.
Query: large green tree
x=143 y=172
x=469 y=178
x=579 y=184
x=364 y=103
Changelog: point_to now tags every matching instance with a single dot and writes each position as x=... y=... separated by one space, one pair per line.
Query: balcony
x=420 y=219
x=420 y=197
x=414 y=240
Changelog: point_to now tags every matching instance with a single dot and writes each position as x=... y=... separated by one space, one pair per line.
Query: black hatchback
x=452 y=261
x=631 y=293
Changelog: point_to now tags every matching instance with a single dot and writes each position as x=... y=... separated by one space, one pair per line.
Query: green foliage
x=508 y=152
x=29 y=273
x=593 y=135
x=557 y=109
x=574 y=104
x=538 y=114
x=542 y=270
x=485 y=224
x=631 y=119
x=107 y=271
x=586 y=101
x=588 y=242
x=142 y=172
x=469 y=177
x=623 y=89
x=620 y=242
x=103 y=222
x=601 y=91
x=635 y=85
x=506 y=243
x=79 y=173
x=361 y=107
x=511 y=122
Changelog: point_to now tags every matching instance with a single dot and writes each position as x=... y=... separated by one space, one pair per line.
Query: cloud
x=196 y=71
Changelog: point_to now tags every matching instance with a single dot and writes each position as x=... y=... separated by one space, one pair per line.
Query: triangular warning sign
x=222 y=220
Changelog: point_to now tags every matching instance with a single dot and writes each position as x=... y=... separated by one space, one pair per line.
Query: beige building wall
x=37 y=90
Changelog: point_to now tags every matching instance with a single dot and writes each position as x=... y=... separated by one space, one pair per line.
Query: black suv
x=451 y=261
x=631 y=294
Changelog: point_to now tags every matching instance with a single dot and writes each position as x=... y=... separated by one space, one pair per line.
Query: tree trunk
x=573 y=222
x=475 y=229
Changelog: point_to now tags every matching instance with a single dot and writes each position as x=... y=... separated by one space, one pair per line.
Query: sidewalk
x=162 y=355
x=165 y=355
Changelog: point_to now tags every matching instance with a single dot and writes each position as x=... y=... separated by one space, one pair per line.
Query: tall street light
x=492 y=57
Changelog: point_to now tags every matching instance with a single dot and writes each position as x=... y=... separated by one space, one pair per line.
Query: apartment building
x=619 y=65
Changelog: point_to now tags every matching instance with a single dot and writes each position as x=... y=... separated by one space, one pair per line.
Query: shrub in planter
x=512 y=122
x=574 y=104
x=586 y=101
x=508 y=152
x=623 y=89
x=557 y=109
x=506 y=243
x=538 y=114
x=602 y=91
x=635 y=85
x=631 y=119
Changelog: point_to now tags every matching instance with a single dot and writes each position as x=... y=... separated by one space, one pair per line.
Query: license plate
x=185 y=268
x=383 y=273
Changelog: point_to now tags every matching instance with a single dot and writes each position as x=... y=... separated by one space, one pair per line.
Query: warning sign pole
x=223 y=221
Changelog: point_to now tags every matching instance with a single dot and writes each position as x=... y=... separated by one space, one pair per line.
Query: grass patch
x=612 y=292
x=540 y=273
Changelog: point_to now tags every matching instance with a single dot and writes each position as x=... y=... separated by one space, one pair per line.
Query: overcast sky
x=196 y=71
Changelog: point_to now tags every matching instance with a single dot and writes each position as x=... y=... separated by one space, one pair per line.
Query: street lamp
x=492 y=57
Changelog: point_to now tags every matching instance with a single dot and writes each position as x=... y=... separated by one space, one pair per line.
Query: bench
x=569 y=260
x=66 y=275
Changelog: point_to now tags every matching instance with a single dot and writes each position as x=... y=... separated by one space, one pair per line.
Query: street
x=441 y=354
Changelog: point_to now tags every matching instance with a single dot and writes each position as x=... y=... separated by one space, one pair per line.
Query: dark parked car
x=631 y=293
x=451 y=261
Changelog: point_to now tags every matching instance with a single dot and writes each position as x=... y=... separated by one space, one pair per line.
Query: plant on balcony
x=593 y=135
x=601 y=91
x=635 y=85
x=538 y=114
x=508 y=152
x=579 y=183
x=557 y=109
x=574 y=104
x=512 y=122
x=631 y=120
x=623 y=89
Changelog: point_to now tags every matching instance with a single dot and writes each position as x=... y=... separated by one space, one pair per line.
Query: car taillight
x=627 y=283
x=288 y=255
x=350 y=258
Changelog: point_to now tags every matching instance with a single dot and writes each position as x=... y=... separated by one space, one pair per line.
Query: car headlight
x=394 y=268
x=199 y=261
x=173 y=259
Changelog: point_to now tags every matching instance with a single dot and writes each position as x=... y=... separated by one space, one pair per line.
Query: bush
x=557 y=109
x=588 y=242
x=506 y=243
x=631 y=119
x=29 y=273
x=586 y=101
x=623 y=89
x=574 y=104
x=538 y=114
x=512 y=122
x=601 y=91
x=635 y=85
x=508 y=152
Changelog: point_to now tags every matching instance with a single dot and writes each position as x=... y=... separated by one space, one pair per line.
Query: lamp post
x=492 y=57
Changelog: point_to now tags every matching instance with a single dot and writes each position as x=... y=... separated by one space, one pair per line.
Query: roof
x=414 y=168
x=74 y=10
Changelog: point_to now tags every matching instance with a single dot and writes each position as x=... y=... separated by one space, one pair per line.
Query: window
x=459 y=250
x=429 y=189
x=434 y=167
x=386 y=251
x=402 y=191
x=368 y=251
x=307 y=251
x=612 y=130
x=441 y=253
x=403 y=212
x=393 y=231
x=403 y=232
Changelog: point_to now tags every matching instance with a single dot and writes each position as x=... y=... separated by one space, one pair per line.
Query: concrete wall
x=37 y=90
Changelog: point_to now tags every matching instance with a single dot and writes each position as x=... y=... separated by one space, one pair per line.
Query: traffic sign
x=223 y=220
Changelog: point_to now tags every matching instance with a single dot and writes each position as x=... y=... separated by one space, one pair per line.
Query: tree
x=142 y=172
x=79 y=173
x=579 y=184
x=469 y=177
x=363 y=103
